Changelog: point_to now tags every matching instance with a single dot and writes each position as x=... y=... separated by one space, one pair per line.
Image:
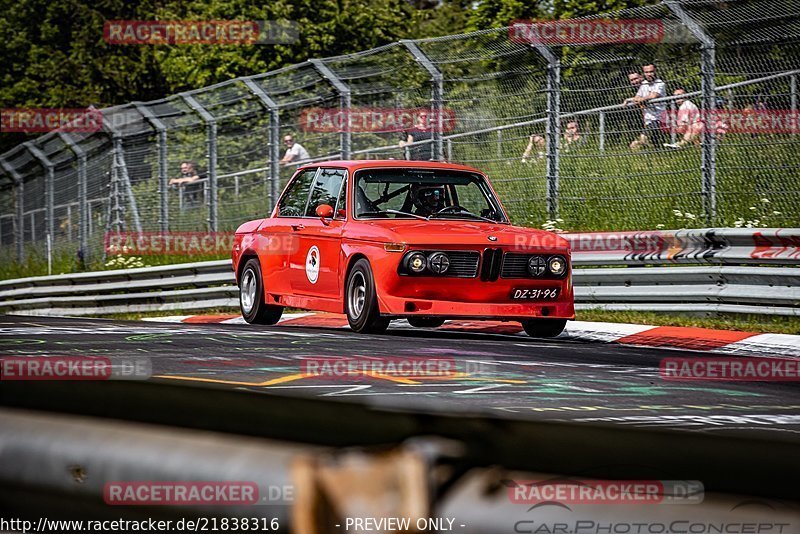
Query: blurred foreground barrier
x=732 y=270
x=707 y=245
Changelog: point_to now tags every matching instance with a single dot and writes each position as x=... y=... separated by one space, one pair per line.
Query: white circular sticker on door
x=312 y=264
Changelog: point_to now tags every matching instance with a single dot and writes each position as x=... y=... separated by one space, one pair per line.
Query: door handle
x=297 y=227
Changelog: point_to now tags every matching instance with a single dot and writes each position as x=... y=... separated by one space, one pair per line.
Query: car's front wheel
x=544 y=327
x=251 y=296
x=361 y=300
x=425 y=322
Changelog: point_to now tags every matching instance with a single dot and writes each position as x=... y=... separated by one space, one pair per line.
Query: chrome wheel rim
x=247 y=292
x=357 y=295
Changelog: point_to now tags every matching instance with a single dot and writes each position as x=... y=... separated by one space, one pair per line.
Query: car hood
x=456 y=232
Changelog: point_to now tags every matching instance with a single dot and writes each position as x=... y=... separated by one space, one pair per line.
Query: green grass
x=623 y=190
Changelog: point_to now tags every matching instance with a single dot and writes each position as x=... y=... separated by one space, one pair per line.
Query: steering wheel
x=451 y=208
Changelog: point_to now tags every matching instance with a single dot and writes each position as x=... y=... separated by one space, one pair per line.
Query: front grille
x=463 y=264
x=490 y=269
x=515 y=265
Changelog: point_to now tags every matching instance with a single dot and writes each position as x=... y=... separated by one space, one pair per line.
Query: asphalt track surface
x=499 y=375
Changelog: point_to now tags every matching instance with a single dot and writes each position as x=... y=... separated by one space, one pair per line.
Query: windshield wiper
x=398 y=212
x=392 y=212
x=467 y=213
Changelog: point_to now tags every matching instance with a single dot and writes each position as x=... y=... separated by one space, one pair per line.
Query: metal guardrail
x=122 y=429
x=713 y=279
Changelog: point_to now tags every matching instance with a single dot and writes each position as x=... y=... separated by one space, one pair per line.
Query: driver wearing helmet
x=427 y=198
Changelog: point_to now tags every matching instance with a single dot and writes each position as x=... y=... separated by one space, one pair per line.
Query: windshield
x=428 y=193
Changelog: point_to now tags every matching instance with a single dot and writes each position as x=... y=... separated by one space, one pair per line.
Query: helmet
x=427 y=198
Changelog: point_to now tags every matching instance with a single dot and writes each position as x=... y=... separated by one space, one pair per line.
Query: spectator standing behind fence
x=295 y=152
x=650 y=88
x=420 y=132
x=687 y=121
x=190 y=182
x=571 y=139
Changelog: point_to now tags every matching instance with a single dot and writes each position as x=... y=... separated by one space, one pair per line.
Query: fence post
x=344 y=104
x=793 y=100
x=163 y=180
x=274 y=138
x=437 y=96
x=553 y=129
x=673 y=120
x=602 y=131
x=49 y=168
x=211 y=130
x=708 y=86
x=19 y=227
x=83 y=200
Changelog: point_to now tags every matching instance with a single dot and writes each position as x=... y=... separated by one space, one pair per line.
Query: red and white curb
x=671 y=337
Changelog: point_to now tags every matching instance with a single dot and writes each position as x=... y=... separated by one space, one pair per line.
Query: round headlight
x=415 y=262
x=536 y=265
x=439 y=262
x=557 y=265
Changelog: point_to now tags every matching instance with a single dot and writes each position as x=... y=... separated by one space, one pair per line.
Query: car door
x=316 y=266
x=279 y=240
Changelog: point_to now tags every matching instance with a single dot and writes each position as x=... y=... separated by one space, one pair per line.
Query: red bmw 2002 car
x=383 y=240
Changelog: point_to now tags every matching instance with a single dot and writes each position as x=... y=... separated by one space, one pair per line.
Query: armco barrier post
x=19 y=197
x=708 y=86
x=163 y=180
x=553 y=128
x=211 y=132
x=83 y=201
x=437 y=96
x=274 y=139
x=344 y=104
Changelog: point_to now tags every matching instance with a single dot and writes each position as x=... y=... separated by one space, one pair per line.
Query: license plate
x=541 y=293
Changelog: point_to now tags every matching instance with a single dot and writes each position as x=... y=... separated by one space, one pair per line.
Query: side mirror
x=324 y=211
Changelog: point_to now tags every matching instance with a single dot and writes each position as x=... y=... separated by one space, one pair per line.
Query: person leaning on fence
x=651 y=87
x=295 y=152
x=420 y=132
x=571 y=140
x=687 y=122
x=190 y=183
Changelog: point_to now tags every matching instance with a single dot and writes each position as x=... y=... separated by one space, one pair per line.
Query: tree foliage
x=52 y=52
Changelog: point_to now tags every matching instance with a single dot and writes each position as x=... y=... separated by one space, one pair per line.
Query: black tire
x=251 y=296
x=544 y=327
x=361 y=300
x=425 y=322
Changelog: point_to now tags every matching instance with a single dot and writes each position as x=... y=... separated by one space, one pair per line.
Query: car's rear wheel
x=361 y=300
x=251 y=296
x=544 y=327
x=425 y=322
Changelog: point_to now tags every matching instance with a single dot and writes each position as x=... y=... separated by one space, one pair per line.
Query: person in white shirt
x=650 y=88
x=687 y=122
x=294 y=151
